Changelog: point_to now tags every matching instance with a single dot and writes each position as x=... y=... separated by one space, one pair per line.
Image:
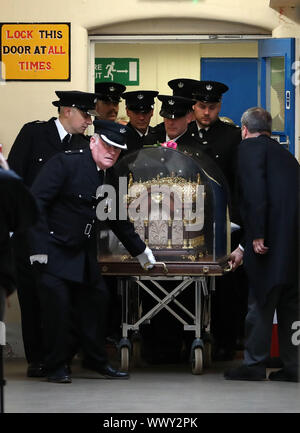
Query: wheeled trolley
x=153 y=282
x=199 y=321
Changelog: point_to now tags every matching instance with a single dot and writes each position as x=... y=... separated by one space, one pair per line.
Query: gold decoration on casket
x=165 y=226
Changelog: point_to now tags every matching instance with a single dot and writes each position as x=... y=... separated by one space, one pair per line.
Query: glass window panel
x=277 y=92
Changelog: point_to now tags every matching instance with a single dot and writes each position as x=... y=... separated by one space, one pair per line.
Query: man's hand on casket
x=39 y=258
x=236 y=258
x=146 y=259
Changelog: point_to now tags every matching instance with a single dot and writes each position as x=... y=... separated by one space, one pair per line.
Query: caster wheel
x=125 y=358
x=197 y=362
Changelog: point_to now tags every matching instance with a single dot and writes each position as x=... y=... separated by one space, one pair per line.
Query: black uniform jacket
x=134 y=140
x=35 y=144
x=269 y=185
x=18 y=211
x=65 y=190
x=221 y=144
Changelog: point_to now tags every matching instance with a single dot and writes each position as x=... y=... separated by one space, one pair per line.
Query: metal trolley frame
x=202 y=278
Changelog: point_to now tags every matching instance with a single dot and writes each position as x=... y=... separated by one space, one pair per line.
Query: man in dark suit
x=64 y=249
x=108 y=99
x=220 y=141
x=35 y=144
x=139 y=108
x=269 y=187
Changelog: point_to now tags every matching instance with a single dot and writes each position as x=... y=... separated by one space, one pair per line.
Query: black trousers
x=67 y=306
x=27 y=290
x=29 y=302
x=259 y=323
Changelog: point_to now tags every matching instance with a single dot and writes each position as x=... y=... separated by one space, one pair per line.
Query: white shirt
x=61 y=130
x=174 y=139
x=199 y=127
x=141 y=133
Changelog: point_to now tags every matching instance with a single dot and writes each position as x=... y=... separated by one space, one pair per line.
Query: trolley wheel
x=125 y=358
x=207 y=354
x=136 y=353
x=197 y=361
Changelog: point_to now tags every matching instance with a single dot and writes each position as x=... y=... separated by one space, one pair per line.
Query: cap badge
x=209 y=87
x=180 y=84
x=112 y=89
x=140 y=96
x=122 y=130
x=171 y=102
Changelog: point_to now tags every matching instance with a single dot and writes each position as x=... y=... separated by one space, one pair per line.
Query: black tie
x=203 y=133
x=101 y=176
x=66 y=141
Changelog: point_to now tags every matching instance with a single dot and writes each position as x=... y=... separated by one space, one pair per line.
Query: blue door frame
x=267 y=49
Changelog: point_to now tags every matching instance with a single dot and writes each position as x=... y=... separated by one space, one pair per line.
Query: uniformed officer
x=64 y=247
x=35 y=144
x=108 y=99
x=139 y=108
x=220 y=140
x=177 y=113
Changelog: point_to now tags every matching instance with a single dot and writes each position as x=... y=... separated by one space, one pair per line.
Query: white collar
x=174 y=139
x=61 y=130
x=199 y=127
x=140 y=133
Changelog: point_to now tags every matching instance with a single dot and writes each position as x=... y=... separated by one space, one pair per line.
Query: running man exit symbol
x=121 y=70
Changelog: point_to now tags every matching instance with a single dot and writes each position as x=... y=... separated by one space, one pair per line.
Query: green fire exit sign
x=121 y=70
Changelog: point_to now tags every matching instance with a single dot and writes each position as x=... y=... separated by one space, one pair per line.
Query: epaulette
x=232 y=125
x=72 y=152
x=37 y=121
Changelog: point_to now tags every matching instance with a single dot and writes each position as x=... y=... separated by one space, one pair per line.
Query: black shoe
x=60 y=375
x=106 y=371
x=36 y=369
x=284 y=375
x=246 y=373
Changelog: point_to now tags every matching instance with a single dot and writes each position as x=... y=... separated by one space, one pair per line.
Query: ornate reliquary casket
x=178 y=206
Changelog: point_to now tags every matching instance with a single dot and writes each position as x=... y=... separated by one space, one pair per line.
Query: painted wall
x=30 y=101
x=160 y=62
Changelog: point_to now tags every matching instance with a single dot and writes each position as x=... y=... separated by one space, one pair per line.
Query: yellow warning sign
x=35 y=51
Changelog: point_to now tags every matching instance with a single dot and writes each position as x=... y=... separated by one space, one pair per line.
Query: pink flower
x=172 y=144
